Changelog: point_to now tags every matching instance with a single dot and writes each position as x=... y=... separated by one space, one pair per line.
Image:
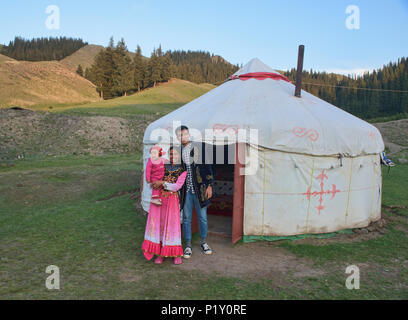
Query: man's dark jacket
x=202 y=175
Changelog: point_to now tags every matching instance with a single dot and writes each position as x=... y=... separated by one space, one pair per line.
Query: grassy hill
x=55 y=86
x=26 y=83
x=84 y=57
x=48 y=83
x=164 y=98
x=4 y=58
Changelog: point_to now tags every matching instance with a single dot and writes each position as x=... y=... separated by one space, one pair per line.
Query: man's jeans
x=191 y=199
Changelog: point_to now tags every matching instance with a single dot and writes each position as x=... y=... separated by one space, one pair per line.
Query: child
x=155 y=171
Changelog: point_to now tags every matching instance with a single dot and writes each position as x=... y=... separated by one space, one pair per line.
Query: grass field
x=160 y=100
x=60 y=212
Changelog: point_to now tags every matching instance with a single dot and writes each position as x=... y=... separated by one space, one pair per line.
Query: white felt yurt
x=311 y=167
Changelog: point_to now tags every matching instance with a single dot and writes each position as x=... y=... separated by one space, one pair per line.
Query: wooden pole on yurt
x=299 y=71
x=238 y=199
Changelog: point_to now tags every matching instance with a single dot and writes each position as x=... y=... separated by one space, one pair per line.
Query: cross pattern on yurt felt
x=320 y=193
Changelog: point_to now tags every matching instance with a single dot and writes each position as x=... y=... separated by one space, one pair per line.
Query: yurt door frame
x=238 y=198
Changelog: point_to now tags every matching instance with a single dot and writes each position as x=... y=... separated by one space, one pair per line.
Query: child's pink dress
x=155 y=172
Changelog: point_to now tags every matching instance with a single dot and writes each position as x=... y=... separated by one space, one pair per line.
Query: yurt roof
x=265 y=101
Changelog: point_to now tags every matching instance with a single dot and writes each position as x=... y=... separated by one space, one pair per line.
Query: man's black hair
x=172 y=147
x=181 y=128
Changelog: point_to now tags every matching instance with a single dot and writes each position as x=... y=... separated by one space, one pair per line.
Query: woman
x=163 y=230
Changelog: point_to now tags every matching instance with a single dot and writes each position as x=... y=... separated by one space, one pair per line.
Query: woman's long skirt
x=163 y=230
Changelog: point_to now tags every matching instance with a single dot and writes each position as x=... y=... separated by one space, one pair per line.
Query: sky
x=368 y=35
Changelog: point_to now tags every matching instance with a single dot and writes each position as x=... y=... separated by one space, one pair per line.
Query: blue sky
x=237 y=30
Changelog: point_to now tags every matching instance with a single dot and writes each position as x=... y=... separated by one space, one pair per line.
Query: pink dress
x=155 y=172
x=163 y=228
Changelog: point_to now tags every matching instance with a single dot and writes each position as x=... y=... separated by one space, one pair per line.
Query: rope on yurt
x=263 y=192
x=348 y=194
x=308 y=205
x=373 y=187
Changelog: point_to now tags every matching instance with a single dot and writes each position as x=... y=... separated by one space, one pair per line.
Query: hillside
x=160 y=100
x=84 y=57
x=5 y=58
x=219 y=59
x=175 y=90
x=49 y=82
x=110 y=126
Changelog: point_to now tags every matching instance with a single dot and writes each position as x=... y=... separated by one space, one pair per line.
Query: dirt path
x=247 y=260
x=266 y=260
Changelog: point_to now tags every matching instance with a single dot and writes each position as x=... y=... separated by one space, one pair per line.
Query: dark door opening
x=225 y=213
x=220 y=211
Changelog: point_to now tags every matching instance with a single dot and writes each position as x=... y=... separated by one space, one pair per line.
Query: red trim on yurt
x=238 y=201
x=260 y=76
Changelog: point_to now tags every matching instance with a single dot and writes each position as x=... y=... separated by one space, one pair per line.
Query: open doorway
x=220 y=211
x=225 y=213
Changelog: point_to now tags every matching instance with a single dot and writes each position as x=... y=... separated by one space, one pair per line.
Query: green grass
x=51 y=212
x=361 y=252
x=126 y=111
x=153 y=101
x=397 y=116
x=395 y=186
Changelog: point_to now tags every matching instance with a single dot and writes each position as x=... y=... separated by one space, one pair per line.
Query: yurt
x=289 y=165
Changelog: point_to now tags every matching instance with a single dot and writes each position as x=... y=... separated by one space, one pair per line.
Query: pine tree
x=139 y=69
x=42 y=49
x=167 y=68
x=87 y=74
x=80 y=71
x=123 y=74
x=153 y=69
x=199 y=66
x=102 y=72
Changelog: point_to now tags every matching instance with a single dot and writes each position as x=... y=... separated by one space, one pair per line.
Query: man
x=197 y=188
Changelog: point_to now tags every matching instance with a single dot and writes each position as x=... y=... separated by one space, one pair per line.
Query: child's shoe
x=177 y=260
x=159 y=260
x=148 y=255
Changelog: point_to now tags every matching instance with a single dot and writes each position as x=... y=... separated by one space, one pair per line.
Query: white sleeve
x=171 y=186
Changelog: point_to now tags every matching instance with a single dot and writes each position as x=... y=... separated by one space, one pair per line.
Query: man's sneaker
x=187 y=253
x=206 y=248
